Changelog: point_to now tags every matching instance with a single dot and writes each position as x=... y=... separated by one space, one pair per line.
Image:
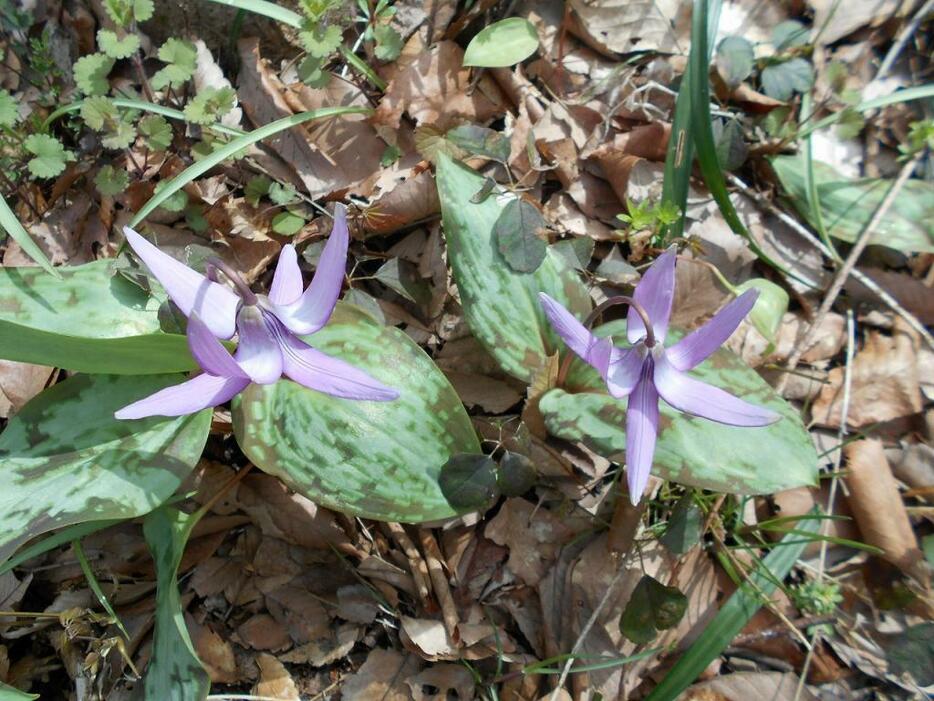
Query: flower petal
x=194 y=395
x=312 y=310
x=692 y=396
x=287 y=281
x=258 y=353
x=641 y=433
x=316 y=370
x=191 y=291
x=597 y=352
x=209 y=352
x=697 y=346
x=624 y=371
x=654 y=293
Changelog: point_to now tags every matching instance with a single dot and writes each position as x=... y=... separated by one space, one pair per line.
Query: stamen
x=623 y=299
x=215 y=264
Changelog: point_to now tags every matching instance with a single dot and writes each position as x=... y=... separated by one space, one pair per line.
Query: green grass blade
x=293 y=19
x=18 y=233
x=919 y=92
x=67 y=534
x=680 y=155
x=736 y=612
x=143 y=106
x=201 y=167
x=96 y=587
x=810 y=182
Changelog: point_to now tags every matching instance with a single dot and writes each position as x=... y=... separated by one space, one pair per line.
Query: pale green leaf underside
x=691 y=450
x=378 y=460
x=500 y=304
x=503 y=43
x=67 y=460
x=89 y=321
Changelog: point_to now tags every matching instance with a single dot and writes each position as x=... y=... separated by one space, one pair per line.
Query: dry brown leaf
x=911 y=293
x=877 y=506
x=428 y=637
x=434 y=88
x=215 y=653
x=745 y=686
x=623 y=26
x=698 y=294
x=412 y=198
x=801 y=500
x=381 y=677
x=263 y=632
x=884 y=383
x=859 y=14
x=209 y=75
x=326 y=650
x=562 y=213
x=532 y=535
x=494 y=396
x=20 y=382
x=64 y=234
x=755 y=349
x=274 y=680
x=441 y=682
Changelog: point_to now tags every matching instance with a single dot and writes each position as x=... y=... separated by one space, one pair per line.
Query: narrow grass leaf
x=18 y=233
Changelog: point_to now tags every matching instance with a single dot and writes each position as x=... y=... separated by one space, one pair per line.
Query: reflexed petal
x=624 y=371
x=598 y=352
x=194 y=395
x=324 y=373
x=191 y=291
x=258 y=352
x=654 y=293
x=287 y=281
x=641 y=433
x=312 y=310
x=697 y=346
x=692 y=396
x=209 y=352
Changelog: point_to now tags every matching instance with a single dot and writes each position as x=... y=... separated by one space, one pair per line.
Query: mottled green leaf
x=501 y=305
x=468 y=480
x=691 y=450
x=174 y=670
x=67 y=460
x=651 y=607
x=848 y=205
x=89 y=320
x=503 y=43
x=373 y=459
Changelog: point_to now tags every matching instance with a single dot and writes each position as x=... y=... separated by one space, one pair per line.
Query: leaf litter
x=283 y=598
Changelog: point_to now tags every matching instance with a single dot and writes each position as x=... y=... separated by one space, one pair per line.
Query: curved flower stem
x=214 y=264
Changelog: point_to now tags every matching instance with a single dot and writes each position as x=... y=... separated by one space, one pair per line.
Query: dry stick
x=860 y=277
x=439 y=582
x=903 y=38
x=611 y=587
x=416 y=564
x=840 y=280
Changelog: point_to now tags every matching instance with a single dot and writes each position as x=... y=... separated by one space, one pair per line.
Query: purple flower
x=648 y=370
x=267 y=329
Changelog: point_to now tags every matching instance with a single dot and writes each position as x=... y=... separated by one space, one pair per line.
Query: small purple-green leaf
x=652 y=607
x=468 y=480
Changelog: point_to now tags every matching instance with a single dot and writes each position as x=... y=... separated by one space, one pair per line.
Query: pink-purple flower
x=267 y=328
x=647 y=370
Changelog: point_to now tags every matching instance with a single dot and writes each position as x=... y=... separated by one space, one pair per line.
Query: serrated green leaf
x=98 y=111
x=86 y=320
x=120 y=135
x=114 y=46
x=9 y=112
x=651 y=607
x=782 y=80
x=124 y=12
x=282 y=195
x=210 y=104
x=735 y=60
x=517 y=236
x=50 y=155
x=848 y=205
x=256 y=188
x=501 y=305
x=312 y=73
x=157 y=132
x=110 y=181
x=388 y=43
x=321 y=40
x=176 y=202
x=691 y=450
x=181 y=56
x=91 y=72
x=143 y=10
x=504 y=43
x=378 y=460
x=287 y=223
x=68 y=460
x=174 y=671
x=468 y=481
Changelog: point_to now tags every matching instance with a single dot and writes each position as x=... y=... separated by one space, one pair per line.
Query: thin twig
x=907 y=31
x=848 y=265
x=860 y=277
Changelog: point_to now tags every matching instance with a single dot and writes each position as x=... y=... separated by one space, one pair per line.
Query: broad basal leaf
x=174 y=670
x=378 y=460
x=504 y=43
x=89 y=320
x=691 y=450
x=501 y=304
x=848 y=205
x=67 y=460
